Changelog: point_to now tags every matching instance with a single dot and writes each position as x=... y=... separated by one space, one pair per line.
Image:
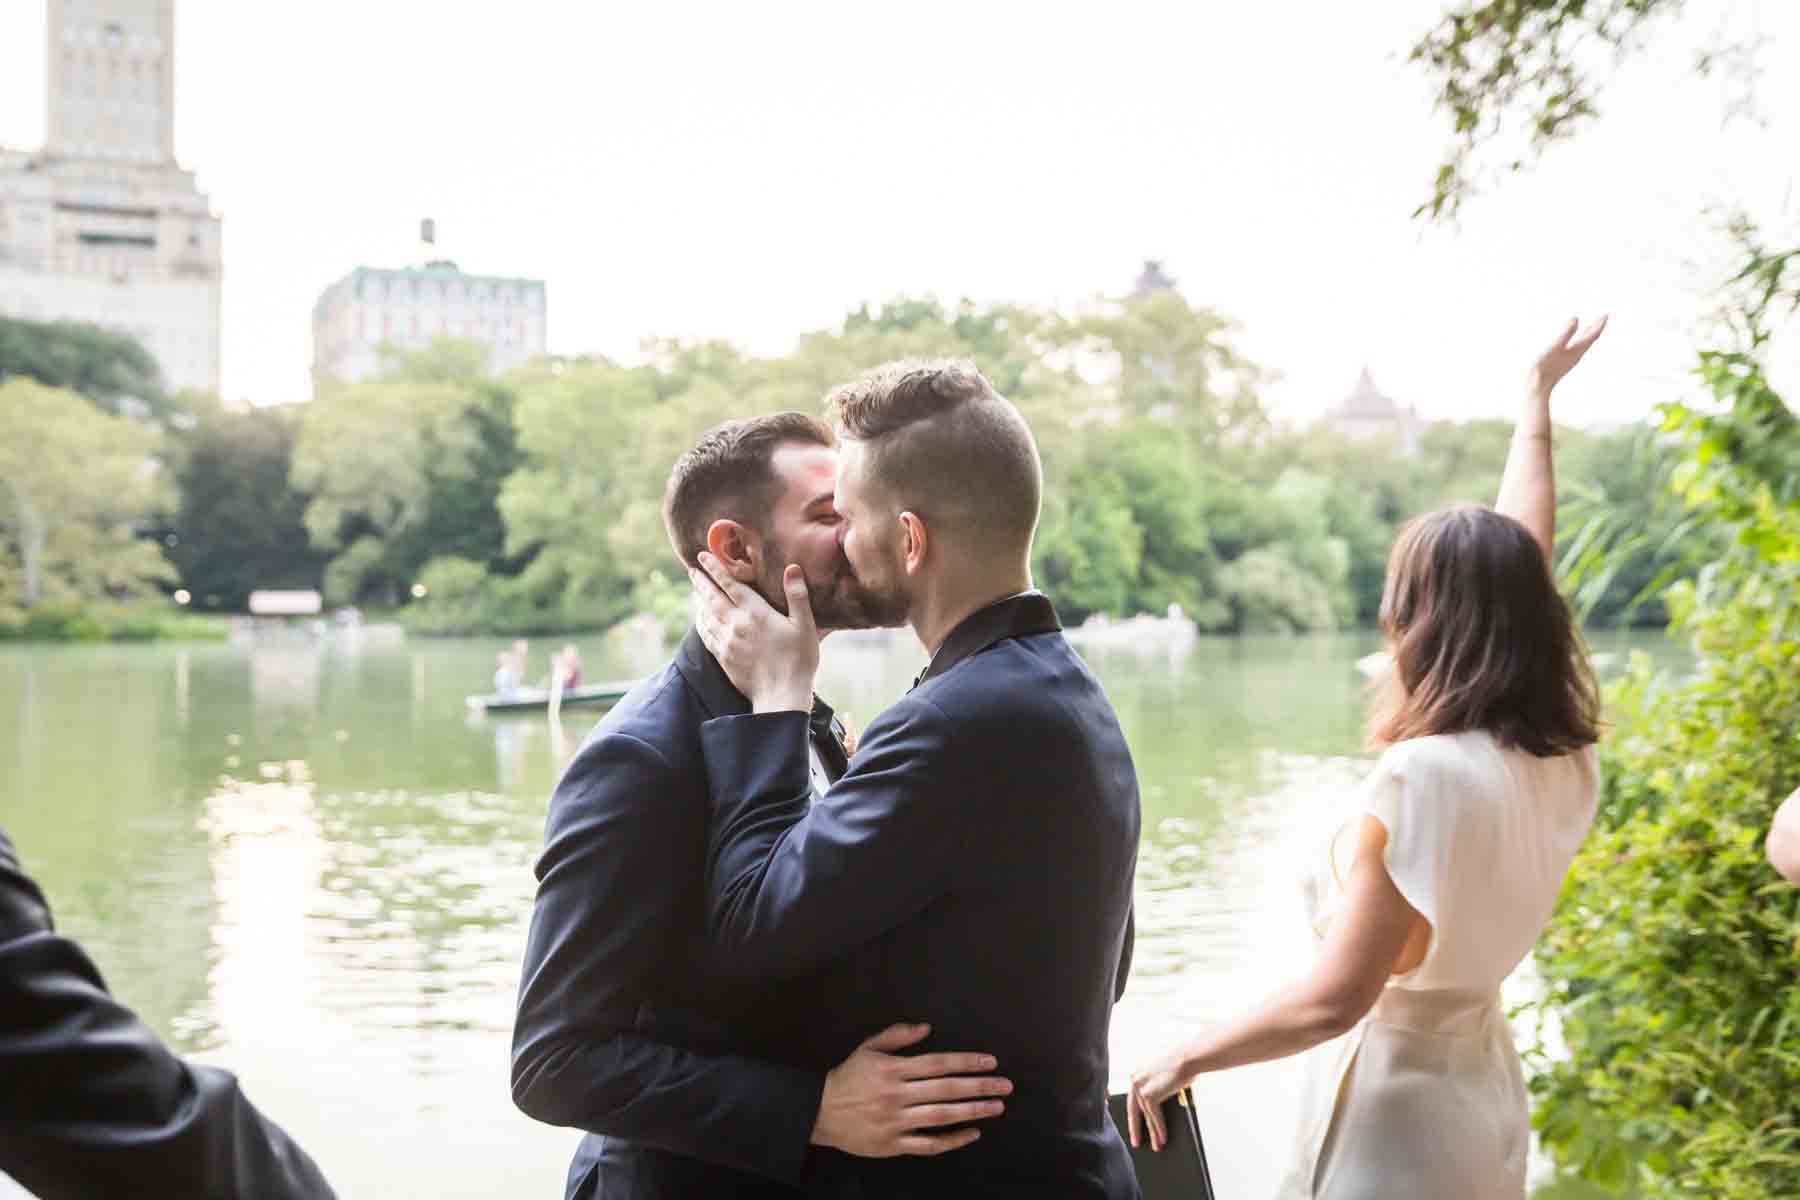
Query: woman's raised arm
x=1528 y=485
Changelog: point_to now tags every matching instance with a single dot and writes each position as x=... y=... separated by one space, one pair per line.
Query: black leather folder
x=1178 y=1171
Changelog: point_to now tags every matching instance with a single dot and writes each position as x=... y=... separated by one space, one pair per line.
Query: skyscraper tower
x=101 y=224
x=112 y=80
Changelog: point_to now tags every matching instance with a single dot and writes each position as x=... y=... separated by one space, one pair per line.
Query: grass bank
x=110 y=623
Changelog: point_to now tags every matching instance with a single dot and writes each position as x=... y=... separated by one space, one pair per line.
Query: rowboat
x=538 y=699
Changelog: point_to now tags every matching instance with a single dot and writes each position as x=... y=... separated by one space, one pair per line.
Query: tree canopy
x=111 y=369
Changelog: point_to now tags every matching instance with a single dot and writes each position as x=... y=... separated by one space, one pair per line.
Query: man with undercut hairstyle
x=689 y=1083
x=974 y=862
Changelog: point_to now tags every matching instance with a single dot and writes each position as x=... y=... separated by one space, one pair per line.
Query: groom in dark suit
x=690 y=1084
x=974 y=863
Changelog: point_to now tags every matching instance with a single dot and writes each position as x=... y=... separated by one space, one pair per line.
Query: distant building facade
x=101 y=225
x=1367 y=414
x=411 y=307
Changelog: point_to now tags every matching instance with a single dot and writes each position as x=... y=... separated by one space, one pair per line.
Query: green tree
x=1522 y=71
x=403 y=467
x=1174 y=496
x=1162 y=357
x=1626 y=535
x=111 y=369
x=1161 y=469
x=238 y=525
x=1089 y=550
x=76 y=484
x=462 y=506
x=1270 y=593
x=581 y=501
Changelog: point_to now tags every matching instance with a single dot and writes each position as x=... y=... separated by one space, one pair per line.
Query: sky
x=735 y=171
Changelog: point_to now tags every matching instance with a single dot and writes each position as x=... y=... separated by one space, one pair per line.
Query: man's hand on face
x=769 y=657
x=878 y=1103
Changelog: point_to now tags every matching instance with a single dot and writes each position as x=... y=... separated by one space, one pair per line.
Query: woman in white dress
x=1437 y=884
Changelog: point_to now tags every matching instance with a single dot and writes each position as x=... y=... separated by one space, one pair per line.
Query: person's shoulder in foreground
x=1784 y=839
x=95 y=1105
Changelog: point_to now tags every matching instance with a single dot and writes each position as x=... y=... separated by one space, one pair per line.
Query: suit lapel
x=719 y=698
x=828 y=738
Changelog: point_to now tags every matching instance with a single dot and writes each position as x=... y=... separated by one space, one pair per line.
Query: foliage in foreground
x=1673 y=964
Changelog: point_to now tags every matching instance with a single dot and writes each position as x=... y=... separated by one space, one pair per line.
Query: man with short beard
x=687 y=1081
x=973 y=866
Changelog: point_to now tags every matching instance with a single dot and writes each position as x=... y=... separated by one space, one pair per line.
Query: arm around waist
x=618 y=886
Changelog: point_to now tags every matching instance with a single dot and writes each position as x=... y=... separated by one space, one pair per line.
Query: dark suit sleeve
x=612 y=892
x=93 y=1104
x=794 y=884
x=1125 y=949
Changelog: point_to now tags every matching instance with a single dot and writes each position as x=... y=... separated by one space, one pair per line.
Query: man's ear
x=914 y=542
x=736 y=547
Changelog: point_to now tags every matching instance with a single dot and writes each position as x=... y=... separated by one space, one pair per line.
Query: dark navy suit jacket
x=624 y=1028
x=975 y=865
x=93 y=1104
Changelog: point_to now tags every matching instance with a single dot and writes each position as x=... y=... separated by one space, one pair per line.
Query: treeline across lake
x=531 y=503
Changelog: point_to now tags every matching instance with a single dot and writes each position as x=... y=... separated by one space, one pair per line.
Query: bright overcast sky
x=685 y=170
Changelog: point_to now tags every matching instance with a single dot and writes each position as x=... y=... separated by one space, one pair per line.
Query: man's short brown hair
x=944 y=444
x=728 y=474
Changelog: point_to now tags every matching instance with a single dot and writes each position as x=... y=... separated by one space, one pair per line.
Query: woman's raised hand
x=1563 y=354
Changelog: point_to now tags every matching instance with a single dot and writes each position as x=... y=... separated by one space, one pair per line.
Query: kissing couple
x=762 y=965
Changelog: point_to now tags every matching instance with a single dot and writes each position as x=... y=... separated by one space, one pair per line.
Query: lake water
x=308 y=863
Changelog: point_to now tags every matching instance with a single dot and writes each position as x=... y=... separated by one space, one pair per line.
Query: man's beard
x=838 y=602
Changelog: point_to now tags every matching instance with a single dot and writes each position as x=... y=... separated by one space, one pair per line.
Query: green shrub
x=463 y=599
x=76 y=621
x=162 y=625
x=668 y=598
x=1271 y=594
x=1673 y=964
x=61 y=621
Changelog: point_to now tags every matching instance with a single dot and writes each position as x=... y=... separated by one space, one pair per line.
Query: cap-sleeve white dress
x=1425 y=1099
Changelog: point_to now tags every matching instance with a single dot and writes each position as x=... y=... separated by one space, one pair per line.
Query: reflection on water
x=1209 y=891
x=267 y=852
x=307 y=862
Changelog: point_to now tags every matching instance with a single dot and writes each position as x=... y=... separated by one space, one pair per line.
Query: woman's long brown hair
x=1481 y=639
